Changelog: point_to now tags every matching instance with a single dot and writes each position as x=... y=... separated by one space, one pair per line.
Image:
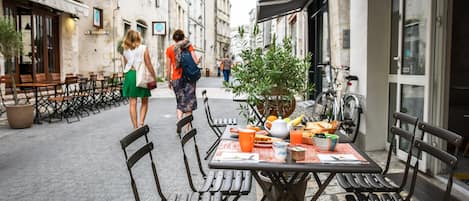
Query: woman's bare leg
x=143 y=110
x=133 y=111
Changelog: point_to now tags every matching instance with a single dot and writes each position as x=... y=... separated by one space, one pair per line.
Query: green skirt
x=130 y=89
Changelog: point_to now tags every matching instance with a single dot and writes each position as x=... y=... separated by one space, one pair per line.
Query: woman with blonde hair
x=134 y=54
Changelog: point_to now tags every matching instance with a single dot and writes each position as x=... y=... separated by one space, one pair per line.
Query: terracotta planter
x=277 y=100
x=20 y=116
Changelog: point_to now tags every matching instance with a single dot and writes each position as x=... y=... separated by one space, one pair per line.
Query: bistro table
x=36 y=86
x=275 y=170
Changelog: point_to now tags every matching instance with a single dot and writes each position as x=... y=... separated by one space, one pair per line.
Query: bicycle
x=337 y=103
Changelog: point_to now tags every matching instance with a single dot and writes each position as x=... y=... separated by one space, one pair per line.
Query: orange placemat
x=267 y=154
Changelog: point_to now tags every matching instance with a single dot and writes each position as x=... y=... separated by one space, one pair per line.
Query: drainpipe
x=114 y=36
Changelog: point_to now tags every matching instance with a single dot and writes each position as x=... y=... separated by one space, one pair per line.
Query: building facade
x=409 y=57
x=98 y=44
x=80 y=37
x=222 y=27
x=50 y=34
x=196 y=31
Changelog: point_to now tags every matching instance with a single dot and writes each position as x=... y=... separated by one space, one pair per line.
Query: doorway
x=458 y=114
x=39 y=27
x=408 y=78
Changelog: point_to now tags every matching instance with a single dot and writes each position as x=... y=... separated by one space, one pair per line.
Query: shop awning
x=68 y=6
x=270 y=9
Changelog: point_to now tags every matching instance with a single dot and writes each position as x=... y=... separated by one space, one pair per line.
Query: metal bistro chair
x=215 y=124
x=146 y=150
x=228 y=182
x=449 y=160
x=359 y=183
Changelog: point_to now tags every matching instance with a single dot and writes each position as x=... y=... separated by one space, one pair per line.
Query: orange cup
x=296 y=135
x=246 y=139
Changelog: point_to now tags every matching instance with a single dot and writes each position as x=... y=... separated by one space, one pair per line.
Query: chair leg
x=212 y=148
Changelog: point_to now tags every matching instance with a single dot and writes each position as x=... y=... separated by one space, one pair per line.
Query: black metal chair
x=449 y=160
x=146 y=150
x=359 y=183
x=228 y=182
x=215 y=124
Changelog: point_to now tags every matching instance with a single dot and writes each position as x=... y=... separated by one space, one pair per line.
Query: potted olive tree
x=18 y=115
x=271 y=79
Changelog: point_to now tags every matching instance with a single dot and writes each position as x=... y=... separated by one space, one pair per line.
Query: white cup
x=280 y=150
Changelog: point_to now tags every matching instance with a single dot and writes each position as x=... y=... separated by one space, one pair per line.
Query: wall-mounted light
x=74 y=17
x=27 y=27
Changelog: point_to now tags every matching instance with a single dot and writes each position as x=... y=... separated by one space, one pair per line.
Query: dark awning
x=270 y=9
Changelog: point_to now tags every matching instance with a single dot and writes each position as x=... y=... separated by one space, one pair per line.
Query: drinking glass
x=296 y=135
x=246 y=139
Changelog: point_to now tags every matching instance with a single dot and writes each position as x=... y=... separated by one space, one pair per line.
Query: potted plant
x=271 y=79
x=18 y=115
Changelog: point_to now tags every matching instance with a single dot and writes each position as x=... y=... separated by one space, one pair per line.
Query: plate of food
x=264 y=141
x=234 y=132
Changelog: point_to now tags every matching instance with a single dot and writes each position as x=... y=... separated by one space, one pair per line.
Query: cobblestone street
x=84 y=161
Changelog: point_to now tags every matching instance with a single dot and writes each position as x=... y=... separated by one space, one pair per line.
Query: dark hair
x=178 y=35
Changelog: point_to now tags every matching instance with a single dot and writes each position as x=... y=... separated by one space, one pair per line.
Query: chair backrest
x=446 y=158
x=208 y=113
x=55 y=76
x=139 y=154
x=401 y=119
x=26 y=78
x=40 y=77
x=449 y=136
x=185 y=138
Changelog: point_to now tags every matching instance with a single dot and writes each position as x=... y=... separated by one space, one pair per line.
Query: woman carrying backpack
x=184 y=91
x=134 y=53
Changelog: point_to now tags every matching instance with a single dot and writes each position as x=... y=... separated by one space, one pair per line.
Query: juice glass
x=296 y=135
x=246 y=139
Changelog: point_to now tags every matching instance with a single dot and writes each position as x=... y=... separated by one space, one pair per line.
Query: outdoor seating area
x=231 y=168
x=72 y=98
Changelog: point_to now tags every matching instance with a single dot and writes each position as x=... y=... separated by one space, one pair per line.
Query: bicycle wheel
x=350 y=116
x=323 y=106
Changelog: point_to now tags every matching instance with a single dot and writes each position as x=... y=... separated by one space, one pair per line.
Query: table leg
x=37 y=118
x=280 y=183
x=265 y=188
x=322 y=186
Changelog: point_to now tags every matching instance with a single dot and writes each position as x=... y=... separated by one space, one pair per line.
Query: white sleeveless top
x=134 y=57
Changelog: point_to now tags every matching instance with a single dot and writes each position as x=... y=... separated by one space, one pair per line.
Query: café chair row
x=146 y=150
x=377 y=187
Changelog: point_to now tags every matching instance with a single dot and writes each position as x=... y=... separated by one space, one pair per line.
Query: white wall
x=369 y=59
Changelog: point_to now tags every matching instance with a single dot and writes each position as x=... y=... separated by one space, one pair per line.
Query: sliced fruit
x=272 y=118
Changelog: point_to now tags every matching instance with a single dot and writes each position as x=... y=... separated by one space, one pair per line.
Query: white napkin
x=338 y=158
x=238 y=157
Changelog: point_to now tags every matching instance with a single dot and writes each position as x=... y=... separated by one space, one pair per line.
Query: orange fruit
x=271 y=118
x=253 y=127
x=268 y=124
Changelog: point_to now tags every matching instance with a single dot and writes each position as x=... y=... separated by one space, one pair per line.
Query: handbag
x=144 y=77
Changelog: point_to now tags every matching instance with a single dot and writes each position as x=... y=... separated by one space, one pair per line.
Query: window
x=142 y=28
x=126 y=27
x=98 y=18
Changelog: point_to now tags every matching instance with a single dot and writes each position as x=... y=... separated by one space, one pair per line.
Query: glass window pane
x=415 y=37
x=394 y=36
x=38 y=43
x=412 y=103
